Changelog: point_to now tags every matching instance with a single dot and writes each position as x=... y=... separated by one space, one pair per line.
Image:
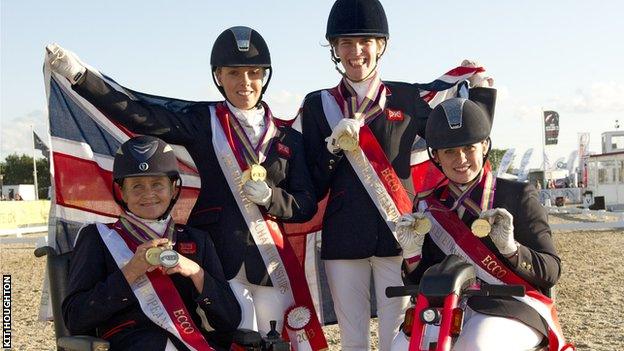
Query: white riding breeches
x=259 y=304
x=349 y=282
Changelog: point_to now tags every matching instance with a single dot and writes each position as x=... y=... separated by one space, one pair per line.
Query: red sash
x=166 y=295
x=452 y=235
x=310 y=331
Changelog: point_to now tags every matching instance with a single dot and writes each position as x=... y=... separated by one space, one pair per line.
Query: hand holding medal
x=345 y=136
x=502 y=229
x=163 y=256
x=347 y=142
x=411 y=229
x=256 y=173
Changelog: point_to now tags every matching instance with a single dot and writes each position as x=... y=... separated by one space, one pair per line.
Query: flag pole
x=32 y=132
x=543 y=143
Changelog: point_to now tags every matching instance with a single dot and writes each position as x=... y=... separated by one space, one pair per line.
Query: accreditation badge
x=169 y=258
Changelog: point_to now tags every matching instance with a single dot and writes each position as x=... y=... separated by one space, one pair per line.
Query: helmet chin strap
x=336 y=60
x=485 y=158
x=124 y=205
x=265 y=85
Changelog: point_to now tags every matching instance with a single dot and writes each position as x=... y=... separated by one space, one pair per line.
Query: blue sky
x=559 y=55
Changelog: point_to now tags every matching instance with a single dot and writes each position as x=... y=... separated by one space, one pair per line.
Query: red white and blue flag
x=83 y=142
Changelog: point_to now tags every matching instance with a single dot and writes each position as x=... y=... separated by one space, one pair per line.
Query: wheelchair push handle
x=482 y=290
x=397 y=291
x=498 y=290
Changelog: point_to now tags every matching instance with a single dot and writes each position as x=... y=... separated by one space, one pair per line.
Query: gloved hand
x=502 y=233
x=258 y=192
x=411 y=242
x=65 y=63
x=478 y=80
x=345 y=126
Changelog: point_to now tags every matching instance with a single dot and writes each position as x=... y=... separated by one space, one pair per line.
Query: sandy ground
x=589 y=296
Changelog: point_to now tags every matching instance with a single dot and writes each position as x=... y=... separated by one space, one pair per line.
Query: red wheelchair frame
x=439 y=302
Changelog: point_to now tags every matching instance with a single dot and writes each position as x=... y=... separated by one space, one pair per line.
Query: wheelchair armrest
x=82 y=343
x=45 y=250
x=246 y=337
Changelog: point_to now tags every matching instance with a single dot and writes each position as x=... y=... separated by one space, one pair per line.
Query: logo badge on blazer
x=187 y=247
x=283 y=150
x=394 y=115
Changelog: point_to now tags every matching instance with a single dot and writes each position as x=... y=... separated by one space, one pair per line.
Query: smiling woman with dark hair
x=496 y=224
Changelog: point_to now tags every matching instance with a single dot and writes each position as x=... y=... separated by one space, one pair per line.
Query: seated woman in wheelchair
x=138 y=282
x=497 y=225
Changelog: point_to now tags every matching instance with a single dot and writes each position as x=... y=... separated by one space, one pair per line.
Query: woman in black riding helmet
x=381 y=119
x=496 y=224
x=251 y=164
x=138 y=282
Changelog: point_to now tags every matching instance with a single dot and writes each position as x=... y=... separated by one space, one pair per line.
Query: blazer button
x=524 y=265
x=331 y=167
x=206 y=301
x=331 y=162
x=529 y=266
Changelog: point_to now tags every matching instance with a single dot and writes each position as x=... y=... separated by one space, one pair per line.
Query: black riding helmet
x=457 y=122
x=240 y=47
x=355 y=18
x=145 y=156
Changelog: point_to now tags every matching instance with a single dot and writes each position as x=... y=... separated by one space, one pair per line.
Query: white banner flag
x=505 y=162
x=524 y=163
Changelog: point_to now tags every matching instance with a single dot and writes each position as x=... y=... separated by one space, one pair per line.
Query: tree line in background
x=19 y=170
x=16 y=169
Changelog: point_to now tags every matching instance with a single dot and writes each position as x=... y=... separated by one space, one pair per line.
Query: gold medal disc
x=422 y=226
x=152 y=255
x=258 y=173
x=347 y=142
x=481 y=228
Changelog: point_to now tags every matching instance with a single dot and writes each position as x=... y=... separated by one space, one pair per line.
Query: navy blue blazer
x=538 y=262
x=216 y=211
x=100 y=301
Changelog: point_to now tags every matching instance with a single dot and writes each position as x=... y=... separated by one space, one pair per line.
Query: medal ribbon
x=157 y=295
x=372 y=168
x=279 y=258
x=142 y=233
x=452 y=236
x=247 y=154
x=486 y=182
x=372 y=104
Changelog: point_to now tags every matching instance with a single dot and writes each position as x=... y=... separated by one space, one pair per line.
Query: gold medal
x=422 y=226
x=255 y=172
x=480 y=228
x=258 y=173
x=347 y=142
x=152 y=255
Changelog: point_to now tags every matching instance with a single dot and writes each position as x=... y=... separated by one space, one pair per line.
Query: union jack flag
x=84 y=142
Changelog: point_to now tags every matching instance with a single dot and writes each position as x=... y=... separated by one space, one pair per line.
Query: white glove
x=65 y=63
x=411 y=242
x=479 y=80
x=345 y=126
x=258 y=192
x=502 y=233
